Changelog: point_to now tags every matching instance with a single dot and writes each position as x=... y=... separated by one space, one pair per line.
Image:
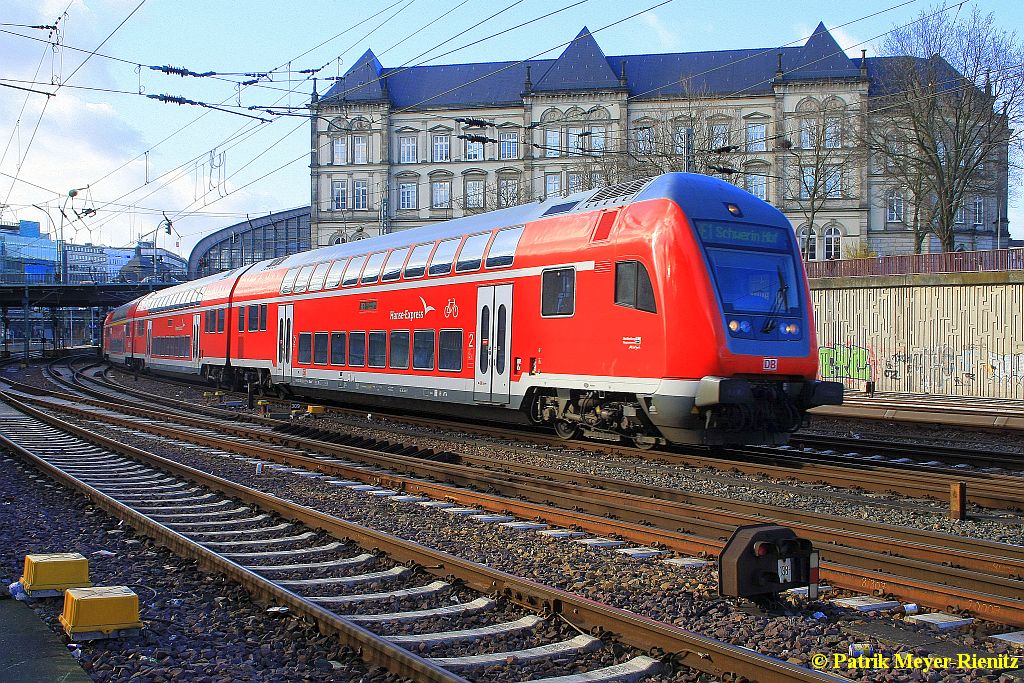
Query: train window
x=221 y=314
x=357 y=349
x=472 y=252
x=503 y=248
x=316 y=280
x=289 y=281
x=241 y=318
x=352 y=271
x=305 y=347
x=423 y=350
x=558 y=292
x=393 y=267
x=334 y=274
x=208 y=322
x=337 y=348
x=320 y=348
x=417 y=264
x=302 y=279
x=376 y=352
x=441 y=261
x=633 y=286
x=449 y=350
x=263 y=317
x=499 y=340
x=485 y=338
x=373 y=266
x=254 y=318
x=139 y=328
x=398 y=354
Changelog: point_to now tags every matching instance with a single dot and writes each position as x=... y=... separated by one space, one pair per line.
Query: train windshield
x=753 y=267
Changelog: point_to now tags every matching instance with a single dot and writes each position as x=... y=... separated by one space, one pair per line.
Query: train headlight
x=734 y=325
x=739 y=326
x=791 y=329
x=745 y=326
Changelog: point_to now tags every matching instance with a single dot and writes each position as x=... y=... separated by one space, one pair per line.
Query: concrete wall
x=959 y=334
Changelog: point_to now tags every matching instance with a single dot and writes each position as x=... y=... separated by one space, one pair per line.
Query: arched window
x=894 y=207
x=808 y=244
x=979 y=211
x=833 y=243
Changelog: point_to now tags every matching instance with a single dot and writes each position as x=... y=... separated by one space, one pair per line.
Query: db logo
x=770 y=364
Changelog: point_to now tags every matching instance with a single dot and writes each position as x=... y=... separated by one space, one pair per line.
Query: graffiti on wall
x=846 y=361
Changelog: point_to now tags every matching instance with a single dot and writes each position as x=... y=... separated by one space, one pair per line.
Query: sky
x=134 y=160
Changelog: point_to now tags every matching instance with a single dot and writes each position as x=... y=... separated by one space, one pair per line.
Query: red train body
x=672 y=309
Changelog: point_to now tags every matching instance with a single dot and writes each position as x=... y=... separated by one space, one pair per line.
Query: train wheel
x=644 y=443
x=566 y=430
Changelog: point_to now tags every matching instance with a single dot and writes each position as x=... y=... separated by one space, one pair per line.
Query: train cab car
x=672 y=309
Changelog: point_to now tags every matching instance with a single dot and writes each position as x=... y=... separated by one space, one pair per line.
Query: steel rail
x=990 y=596
x=983 y=489
x=686 y=648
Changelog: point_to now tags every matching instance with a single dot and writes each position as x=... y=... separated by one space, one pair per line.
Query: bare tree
x=941 y=128
x=822 y=145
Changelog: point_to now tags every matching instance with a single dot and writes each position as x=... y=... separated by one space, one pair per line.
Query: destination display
x=743 y=235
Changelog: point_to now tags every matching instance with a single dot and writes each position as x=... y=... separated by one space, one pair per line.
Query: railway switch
x=46 y=575
x=100 y=612
x=762 y=560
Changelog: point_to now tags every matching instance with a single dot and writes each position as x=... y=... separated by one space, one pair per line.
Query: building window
x=508 y=145
x=474 y=151
x=441 y=194
x=508 y=192
x=833 y=243
x=552 y=143
x=643 y=140
x=575 y=182
x=756 y=133
x=360 y=194
x=960 y=215
x=575 y=141
x=833 y=182
x=808 y=133
x=894 y=207
x=679 y=137
x=719 y=135
x=757 y=184
x=552 y=185
x=598 y=142
x=338 y=198
x=807 y=182
x=558 y=292
x=340 y=151
x=474 y=194
x=406 y=196
x=979 y=211
x=808 y=244
x=359 y=155
x=407 y=149
x=442 y=148
x=833 y=132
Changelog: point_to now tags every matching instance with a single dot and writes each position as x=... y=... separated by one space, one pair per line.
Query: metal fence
x=947 y=262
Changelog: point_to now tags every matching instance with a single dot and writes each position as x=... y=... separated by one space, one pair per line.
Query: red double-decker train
x=672 y=309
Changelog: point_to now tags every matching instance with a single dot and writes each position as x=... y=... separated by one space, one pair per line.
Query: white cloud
x=668 y=39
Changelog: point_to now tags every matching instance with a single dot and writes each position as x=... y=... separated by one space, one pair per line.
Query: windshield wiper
x=781 y=296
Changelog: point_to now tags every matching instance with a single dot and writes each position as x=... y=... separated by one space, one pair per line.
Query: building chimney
x=778 y=68
x=622 y=73
x=528 y=84
x=864 y=64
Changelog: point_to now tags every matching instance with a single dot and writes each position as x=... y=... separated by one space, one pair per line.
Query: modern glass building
x=26 y=255
x=278 y=234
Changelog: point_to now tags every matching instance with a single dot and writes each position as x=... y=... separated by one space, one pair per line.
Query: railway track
x=314 y=564
x=963 y=412
x=984 y=577
x=926 y=479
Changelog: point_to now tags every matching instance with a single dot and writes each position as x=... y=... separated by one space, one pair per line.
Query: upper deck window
x=316 y=280
x=373 y=266
x=352 y=271
x=289 y=281
x=302 y=279
x=503 y=248
x=393 y=267
x=441 y=261
x=333 y=278
x=472 y=253
x=417 y=264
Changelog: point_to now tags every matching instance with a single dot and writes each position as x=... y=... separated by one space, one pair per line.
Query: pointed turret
x=821 y=57
x=581 y=66
x=362 y=82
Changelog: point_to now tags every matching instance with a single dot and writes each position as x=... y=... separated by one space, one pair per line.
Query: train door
x=197 y=362
x=284 y=340
x=493 y=333
x=149 y=340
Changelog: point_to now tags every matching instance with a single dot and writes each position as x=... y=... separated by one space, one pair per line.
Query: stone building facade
x=395 y=148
